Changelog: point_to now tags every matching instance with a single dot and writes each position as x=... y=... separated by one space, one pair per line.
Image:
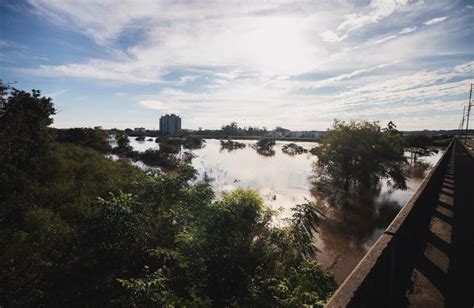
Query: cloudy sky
x=296 y=64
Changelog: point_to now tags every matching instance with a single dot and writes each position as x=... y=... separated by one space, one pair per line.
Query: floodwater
x=284 y=180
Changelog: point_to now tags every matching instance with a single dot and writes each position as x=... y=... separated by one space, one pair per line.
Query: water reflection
x=231 y=145
x=350 y=228
x=353 y=222
x=417 y=169
x=266 y=152
x=285 y=180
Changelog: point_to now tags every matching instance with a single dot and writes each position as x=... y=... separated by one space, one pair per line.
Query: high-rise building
x=170 y=124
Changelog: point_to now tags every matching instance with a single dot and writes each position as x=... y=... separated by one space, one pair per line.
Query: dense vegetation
x=78 y=229
x=234 y=130
x=264 y=146
x=293 y=149
x=95 y=138
x=355 y=156
x=419 y=145
x=231 y=145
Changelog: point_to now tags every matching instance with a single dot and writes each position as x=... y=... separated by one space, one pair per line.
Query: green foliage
x=359 y=154
x=265 y=146
x=236 y=232
x=165 y=159
x=95 y=138
x=305 y=220
x=158 y=158
x=419 y=145
x=293 y=149
x=232 y=145
x=391 y=128
x=233 y=129
x=26 y=147
x=78 y=229
x=123 y=143
x=170 y=145
x=266 y=143
x=170 y=154
x=193 y=142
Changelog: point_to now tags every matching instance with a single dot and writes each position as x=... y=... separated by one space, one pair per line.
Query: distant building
x=170 y=124
x=139 y=129
x=274 y=133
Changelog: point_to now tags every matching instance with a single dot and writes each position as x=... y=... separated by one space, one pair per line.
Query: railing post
x=395 y=251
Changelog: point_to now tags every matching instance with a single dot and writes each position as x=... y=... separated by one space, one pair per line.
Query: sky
x=296 y=64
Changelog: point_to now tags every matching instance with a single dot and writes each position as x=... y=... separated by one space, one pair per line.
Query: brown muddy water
x=284 y=180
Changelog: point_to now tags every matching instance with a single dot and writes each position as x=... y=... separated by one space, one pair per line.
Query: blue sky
x=296 y=64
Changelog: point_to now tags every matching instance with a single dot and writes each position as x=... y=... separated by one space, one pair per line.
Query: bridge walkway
x=442 y=276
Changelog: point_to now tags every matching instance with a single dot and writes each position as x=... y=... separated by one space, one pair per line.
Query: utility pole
x=461 y=126
x=468 y=113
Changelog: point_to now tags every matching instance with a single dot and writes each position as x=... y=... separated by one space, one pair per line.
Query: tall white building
x=170 y=124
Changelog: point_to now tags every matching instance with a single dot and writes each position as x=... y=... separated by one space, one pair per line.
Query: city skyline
x=275 y=63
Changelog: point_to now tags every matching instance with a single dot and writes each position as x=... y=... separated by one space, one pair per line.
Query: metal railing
x=382 y=276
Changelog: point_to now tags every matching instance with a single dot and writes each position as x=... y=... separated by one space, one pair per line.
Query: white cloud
x=375 y=12
x=407 y=30
x=272 y=101
x=385 y=39
x=208 y=34
x=252 y=56
x=226 y=36
x=332 y=37
x=153 y=104
x=342 y=77
x=394 y=36
x=128 y=71
x=435 y=21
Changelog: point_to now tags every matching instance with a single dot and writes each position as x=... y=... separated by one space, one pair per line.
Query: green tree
x=231 y=129
x=227 y=253
x=264 y=146
x=123 y=143
x=391 y=128
x=305 y=220
x=419 y=145
x=358 y=154
x=78 y=229
x=26 y=146
x=95 y=138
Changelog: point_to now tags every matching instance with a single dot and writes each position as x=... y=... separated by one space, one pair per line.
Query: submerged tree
x=293 y=149
x=419 y=145
x=357 y=155
x=265 y=146
x=193 y=142
x=123 y=143
x=231 y=145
